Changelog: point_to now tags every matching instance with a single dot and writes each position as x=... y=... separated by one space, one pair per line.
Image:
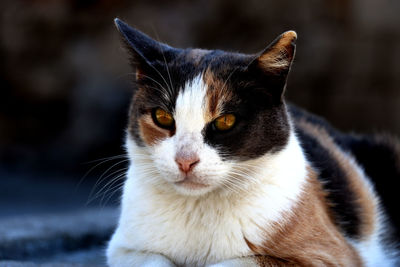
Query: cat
x=223 y=172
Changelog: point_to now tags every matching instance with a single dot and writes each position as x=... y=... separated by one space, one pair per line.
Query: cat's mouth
x=190 y=184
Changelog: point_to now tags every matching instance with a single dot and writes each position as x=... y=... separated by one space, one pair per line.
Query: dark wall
x=64 y=91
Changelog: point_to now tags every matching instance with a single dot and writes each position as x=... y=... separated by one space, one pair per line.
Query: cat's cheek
x=211 y=170
x=163 y=156
x=150 y=133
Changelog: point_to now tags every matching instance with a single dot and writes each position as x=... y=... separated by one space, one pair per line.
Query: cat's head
x=199 y=116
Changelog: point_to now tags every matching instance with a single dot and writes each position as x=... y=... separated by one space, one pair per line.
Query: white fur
x=198 y=227
x=130 y=258
x=237 y=262
x=209 y=228
x=209 y=225
x=190 y=107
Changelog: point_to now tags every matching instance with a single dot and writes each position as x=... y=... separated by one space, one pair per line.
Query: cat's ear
x=277 y=58
x=145 y=50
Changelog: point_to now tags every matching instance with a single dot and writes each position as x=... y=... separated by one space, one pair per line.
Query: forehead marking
x=189 y=109
x=217 y=95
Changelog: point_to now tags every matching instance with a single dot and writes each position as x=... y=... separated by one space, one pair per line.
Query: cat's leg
x=122 y=257
x=253 y=261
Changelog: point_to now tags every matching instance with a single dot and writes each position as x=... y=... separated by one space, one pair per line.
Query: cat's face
x=200 y=117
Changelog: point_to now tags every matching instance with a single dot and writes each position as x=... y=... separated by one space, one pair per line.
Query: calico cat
x=223 y=172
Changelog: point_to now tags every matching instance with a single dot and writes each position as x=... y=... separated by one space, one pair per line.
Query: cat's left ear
x=145 y=51
x=277 y=58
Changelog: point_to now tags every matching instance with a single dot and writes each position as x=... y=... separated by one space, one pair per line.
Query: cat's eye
x=163 y=118
x=224 y=122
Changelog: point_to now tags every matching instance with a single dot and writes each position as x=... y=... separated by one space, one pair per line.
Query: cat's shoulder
x=373 y=152
x=376 y=157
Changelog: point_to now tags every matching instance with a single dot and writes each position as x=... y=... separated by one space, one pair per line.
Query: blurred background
x=65 y=80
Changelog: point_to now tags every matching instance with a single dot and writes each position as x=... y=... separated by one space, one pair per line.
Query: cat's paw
x=156 y=260
x=118 y=257
x=239 y=262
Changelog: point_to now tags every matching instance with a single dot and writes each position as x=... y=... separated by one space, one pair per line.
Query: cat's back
x=357 y=173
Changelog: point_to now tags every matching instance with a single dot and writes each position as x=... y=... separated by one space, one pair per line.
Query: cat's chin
x=191 y=185
x=190 y=188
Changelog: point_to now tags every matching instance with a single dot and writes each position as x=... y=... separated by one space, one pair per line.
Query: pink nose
x=187 y=163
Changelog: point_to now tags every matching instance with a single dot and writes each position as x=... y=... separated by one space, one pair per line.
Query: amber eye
x=163 y=118
x=224 y=122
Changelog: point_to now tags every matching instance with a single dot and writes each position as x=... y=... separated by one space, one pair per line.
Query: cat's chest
x=190 y=231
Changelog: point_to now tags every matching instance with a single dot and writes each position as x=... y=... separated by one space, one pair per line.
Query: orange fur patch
x=217 y=94
x=267 y=261
x=308 y=237
x=280 y=55
x=151 y=133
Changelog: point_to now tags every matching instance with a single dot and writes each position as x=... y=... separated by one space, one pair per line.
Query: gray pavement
x=67 y=239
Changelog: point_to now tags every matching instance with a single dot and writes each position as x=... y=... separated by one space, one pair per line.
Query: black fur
x=334 y=181
x=381 y=163
x=262 y=124
x=375 y=154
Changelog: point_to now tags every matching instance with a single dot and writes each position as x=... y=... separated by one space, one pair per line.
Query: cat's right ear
x=145 y=50
x=277 y=58
x=275 y=62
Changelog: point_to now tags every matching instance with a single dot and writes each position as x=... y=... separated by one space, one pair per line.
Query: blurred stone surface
x=31 y=264
x=70 y=238
x=23 y=194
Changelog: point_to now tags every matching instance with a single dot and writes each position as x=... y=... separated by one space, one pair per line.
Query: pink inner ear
x=281 y=53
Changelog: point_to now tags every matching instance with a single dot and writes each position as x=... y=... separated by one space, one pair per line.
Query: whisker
x=103 y=160
x=165 y=61
x=106 y=158
x=232 y=186
x=99 y=180
x=115 y=189
x=165 y=81
x=109 y=183
x=117 y=181
x=152 y=79
x=118 y=173
x=166 y=92
x=243 y=173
